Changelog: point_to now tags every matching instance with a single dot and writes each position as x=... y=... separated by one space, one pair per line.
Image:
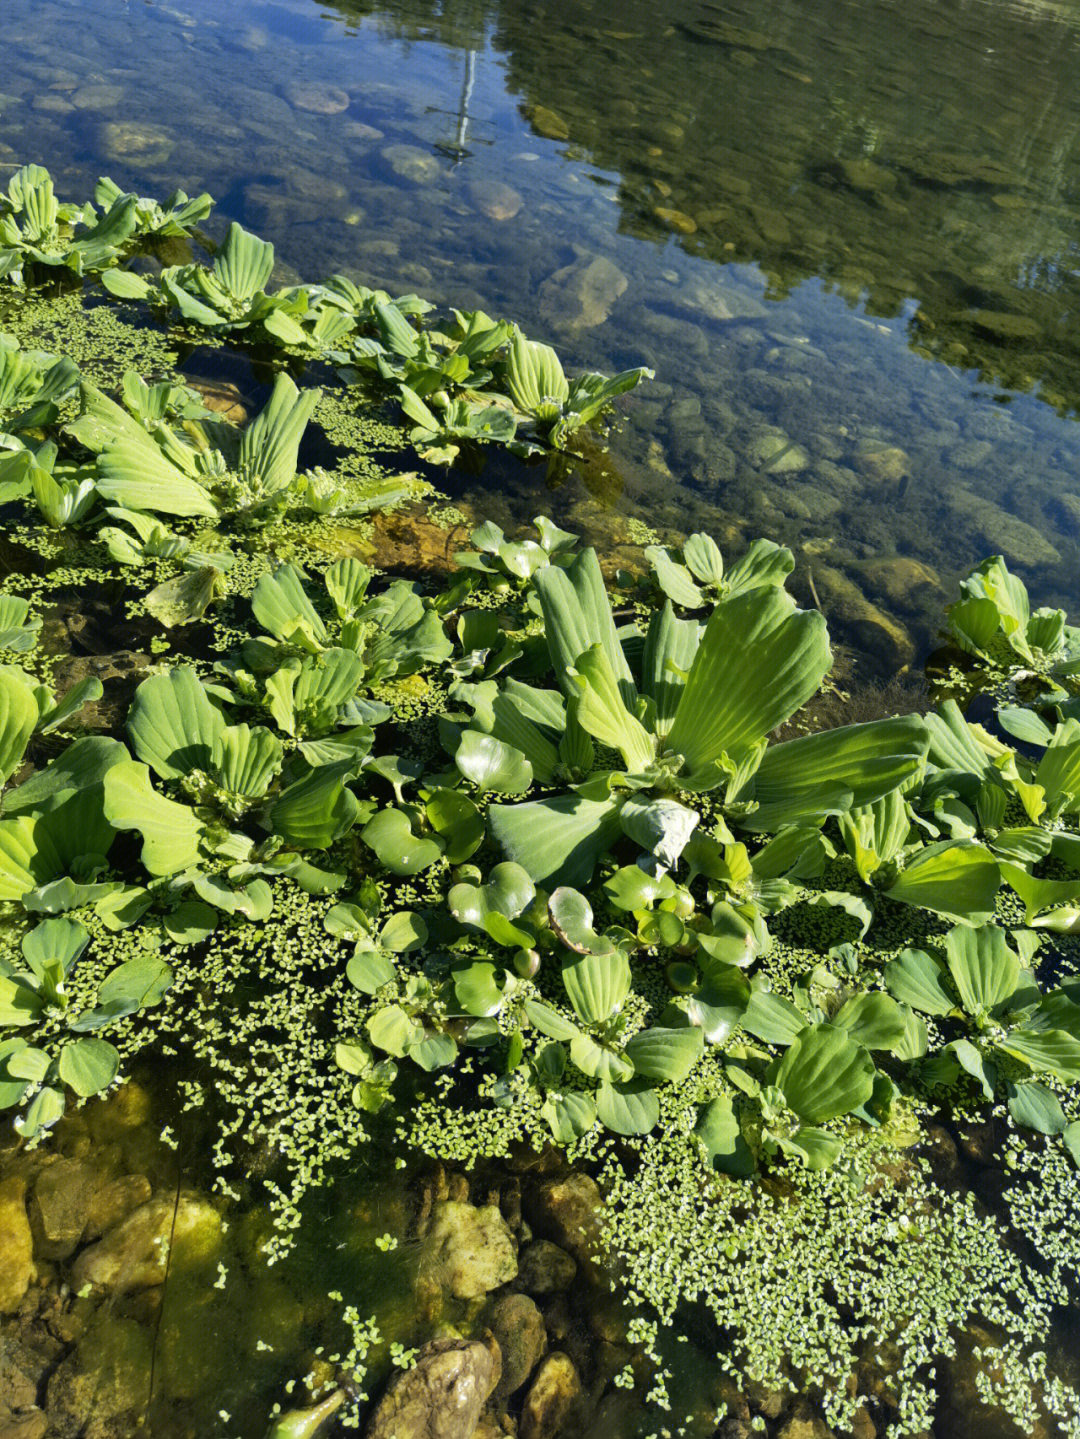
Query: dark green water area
x=846 y=240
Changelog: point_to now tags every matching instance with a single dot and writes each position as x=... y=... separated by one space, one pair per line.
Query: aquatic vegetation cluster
x=518 y=857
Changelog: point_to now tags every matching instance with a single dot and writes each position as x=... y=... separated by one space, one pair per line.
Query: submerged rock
x=887 y=464
x=551 y=1399
x=902 y=581
x=581 y=295
x=710 y=300
x=518 y=1327
x=547 y=123
x=497 y=201
x=136 y=142
x=104 y=1379
x=1001 y=531
x=544 y=1268
x=777 y=454
x=469 y=1250
x=60 y=1207
x=441 y=1396
x=135 y=1254
x=317 y=97
x=411 y=163
x=569 y=1209
x=16 y=1245
x=677 y=220
x=1004 y=326
x=875 y=632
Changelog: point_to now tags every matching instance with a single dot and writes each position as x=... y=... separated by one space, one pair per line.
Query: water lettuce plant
x=508 y=859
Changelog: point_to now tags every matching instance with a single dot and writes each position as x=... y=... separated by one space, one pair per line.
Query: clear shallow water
x=846 y=243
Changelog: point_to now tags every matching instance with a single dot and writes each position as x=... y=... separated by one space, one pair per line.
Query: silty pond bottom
x=851 y=269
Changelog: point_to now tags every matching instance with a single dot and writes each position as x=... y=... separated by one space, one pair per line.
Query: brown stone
x=441 y=1396
x=16 y=1244
x=569 y=1210
x=469 y=1250
x=552 y=1398
x=519 y=1328
x=547 y=123
x=497 y=201
x=317 y=98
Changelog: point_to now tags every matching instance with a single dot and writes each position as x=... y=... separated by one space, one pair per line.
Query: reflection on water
x=784 y=210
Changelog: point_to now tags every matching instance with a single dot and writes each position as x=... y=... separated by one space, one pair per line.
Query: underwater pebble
x=551 y=1398
x=469 y=1250
x=317 y=98
x=497 y=201
x=16 y=1244
x=441 y=1396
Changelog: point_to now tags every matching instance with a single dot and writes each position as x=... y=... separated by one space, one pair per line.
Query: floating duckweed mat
x=495 y=863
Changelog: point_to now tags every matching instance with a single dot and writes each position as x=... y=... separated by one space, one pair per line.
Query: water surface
x=846 y=240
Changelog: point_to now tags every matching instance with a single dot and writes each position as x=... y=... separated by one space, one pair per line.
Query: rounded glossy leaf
x=492 y=765
x=507 y=892
x=627 y=1108
x=569 y=1115
x=572 y=919
x=393 y=1030
x=733 y=939
x=390 y=835
x=369 y=970
x=89 y=1065
x=403 y=931
x=190 y=922
x=717 y=1131
x=825 y=1074
x=477 y=991
x=630 y=888
x=457 y=821
x=434 y=1051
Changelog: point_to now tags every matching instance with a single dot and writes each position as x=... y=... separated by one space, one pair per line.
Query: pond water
x=847 y=243
x=846 y=240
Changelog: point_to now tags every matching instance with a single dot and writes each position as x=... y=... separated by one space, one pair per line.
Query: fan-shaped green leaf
x=596 y=984
x=825 y=1074
x=170 y=831
x=718 y=1132
x=665 y=1054
x=873 y=1020
x=984 y=969
x=173 y=725
x=958 y=879
x=759 y=660
x=914 y=978
x=18 y=716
